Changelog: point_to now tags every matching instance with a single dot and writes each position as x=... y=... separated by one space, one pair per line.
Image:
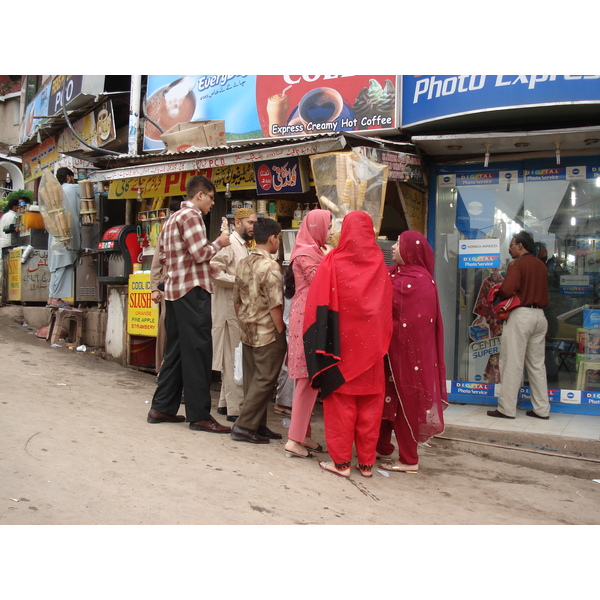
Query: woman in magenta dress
x=415 y=369
x=309 y=249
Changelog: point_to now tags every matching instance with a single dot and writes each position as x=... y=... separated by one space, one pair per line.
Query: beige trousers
x=523 y=344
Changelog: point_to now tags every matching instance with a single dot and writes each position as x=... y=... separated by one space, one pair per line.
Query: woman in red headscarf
x=415 y=369
x=310 y=247
x=347 y=331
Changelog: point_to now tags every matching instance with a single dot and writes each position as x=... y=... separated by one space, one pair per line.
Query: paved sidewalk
x=562 y=433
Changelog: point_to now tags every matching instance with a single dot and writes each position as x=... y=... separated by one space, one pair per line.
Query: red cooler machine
x=118 y=251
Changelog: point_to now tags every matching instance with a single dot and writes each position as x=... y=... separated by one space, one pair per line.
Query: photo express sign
x=479 y=254
x=426 y=98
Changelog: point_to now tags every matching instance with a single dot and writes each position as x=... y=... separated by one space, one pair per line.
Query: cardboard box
x=200 y=134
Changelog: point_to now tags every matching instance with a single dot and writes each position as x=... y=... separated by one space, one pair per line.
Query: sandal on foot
x=330 y=466
x=399 y=467
x=365 y=470
x=318 y=448
x=282 y=411
x=291 y=453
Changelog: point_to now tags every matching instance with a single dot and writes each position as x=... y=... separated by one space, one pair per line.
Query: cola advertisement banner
x=271 y=106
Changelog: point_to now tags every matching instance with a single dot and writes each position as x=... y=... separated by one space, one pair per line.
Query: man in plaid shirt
x=185 y=253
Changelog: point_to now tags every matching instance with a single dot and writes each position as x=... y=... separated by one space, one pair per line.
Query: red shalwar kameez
x=347 y=330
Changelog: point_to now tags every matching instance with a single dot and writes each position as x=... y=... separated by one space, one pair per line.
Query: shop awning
x=566 y=141
x=229 y=158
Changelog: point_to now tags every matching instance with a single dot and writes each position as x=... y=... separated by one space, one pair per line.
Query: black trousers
x=187 y=365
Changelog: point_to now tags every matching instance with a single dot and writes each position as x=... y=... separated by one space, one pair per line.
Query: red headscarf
x=347 y=323
x=312 y=235
x=416 y=353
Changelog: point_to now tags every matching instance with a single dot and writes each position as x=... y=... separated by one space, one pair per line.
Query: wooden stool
x=69 y=318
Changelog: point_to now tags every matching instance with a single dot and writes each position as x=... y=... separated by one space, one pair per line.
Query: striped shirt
x=186 y=252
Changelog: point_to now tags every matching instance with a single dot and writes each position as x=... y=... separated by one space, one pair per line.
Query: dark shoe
x=232 y=418
x=241 y=434
x=266 y=432
x=531 y=413
x=157 y=417
x=497 y=413
x=222 y=410
x=211 y=426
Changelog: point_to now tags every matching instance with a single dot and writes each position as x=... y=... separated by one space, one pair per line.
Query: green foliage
x=19 y=193
x=14 y=194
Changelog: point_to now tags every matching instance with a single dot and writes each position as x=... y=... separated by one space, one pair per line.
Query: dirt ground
x=77 y=450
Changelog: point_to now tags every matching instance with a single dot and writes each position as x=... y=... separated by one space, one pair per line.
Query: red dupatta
x=347 y=322
x=416 y=352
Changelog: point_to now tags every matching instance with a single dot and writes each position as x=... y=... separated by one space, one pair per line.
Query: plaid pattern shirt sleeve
x=187 y=252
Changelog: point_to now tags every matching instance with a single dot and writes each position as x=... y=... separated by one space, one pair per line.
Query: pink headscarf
x=312 y=235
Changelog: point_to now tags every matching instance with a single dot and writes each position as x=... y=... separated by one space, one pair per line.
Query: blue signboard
x=432 y=97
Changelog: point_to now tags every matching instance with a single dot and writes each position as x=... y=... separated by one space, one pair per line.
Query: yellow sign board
x=239 y=177
x=142 y=313
x=14 y=274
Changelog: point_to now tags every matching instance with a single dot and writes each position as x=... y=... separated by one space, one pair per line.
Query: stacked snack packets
x=56 y=219
x=347 y=181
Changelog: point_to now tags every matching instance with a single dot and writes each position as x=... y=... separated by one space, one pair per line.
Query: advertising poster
x=265 y=106
x=38 y=159
x=142 y=313
x=484 y=332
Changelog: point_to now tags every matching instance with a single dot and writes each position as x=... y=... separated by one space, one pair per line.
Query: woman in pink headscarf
x=415 y=369
x=309 y=249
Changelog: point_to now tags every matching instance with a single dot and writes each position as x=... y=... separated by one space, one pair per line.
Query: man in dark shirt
x=523 y=340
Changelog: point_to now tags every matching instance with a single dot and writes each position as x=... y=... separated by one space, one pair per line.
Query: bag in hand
x=501 y=308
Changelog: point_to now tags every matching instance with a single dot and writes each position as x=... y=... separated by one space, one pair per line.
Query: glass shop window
x=560 y=207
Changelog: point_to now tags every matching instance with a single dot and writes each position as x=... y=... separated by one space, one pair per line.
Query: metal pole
x=134 y=114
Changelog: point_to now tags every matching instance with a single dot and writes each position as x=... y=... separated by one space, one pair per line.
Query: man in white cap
x=225 y=329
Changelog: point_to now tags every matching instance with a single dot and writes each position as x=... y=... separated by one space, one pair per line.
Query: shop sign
x=479 y=254
x=473 y=389
x=264 y=106
x=73 y=91
x=401 y=166
x=38 y=159
x=142 y=313
x=426 y=98
x=564 y=396
x=78 y=91
x=239 y=177
x=96 y=128
x=14 y=274
x=590 y=398
x=284 y=176
x=574 y=285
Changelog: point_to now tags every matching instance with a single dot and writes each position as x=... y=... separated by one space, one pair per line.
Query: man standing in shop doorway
x=188 y=288
x=226 y=331
x=523 y=341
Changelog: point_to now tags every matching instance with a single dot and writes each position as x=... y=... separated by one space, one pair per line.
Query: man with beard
x=225 y=329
